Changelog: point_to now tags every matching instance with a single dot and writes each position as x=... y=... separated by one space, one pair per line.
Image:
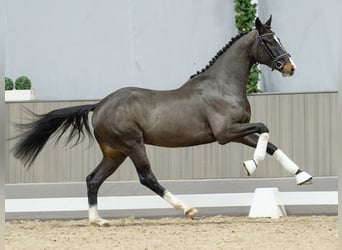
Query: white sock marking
x=174 y=201
x=94 y=217
x=93 y=214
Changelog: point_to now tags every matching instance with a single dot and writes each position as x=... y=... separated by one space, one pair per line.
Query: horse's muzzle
x=289 y=68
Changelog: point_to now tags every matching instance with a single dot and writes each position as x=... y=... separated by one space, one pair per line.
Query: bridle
x=276 y=63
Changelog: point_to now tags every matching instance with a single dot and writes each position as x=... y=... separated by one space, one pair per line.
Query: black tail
x=56 y=122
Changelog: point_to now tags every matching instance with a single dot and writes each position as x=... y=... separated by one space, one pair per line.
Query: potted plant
x=9 y=84
x=23 y=89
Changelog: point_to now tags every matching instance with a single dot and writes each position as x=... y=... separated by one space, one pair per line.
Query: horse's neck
x=233 y=67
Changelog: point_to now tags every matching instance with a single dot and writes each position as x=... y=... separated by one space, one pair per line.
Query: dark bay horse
x=211 y=106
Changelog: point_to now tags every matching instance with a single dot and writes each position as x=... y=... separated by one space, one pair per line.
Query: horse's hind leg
x=148 y=179
x=254 y=140
x=107 y=166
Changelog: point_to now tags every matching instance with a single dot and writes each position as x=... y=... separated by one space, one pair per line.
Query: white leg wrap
x=260 y=150
x=259 y=154
x=303 y=178
x=285 y=162
x=94 y=217
x=178 y=204
x=250 y=167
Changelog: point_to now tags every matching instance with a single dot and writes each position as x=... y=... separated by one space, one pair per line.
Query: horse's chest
x=236 y=110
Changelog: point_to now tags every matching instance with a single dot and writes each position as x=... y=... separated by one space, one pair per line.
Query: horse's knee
x=262 y=128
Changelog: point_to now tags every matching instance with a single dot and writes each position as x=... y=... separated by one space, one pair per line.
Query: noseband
x=276 y=63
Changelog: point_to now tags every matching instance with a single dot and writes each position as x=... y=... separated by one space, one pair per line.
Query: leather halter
x=276 y=63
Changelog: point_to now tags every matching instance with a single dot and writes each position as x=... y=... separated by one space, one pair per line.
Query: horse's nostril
x=292 y=71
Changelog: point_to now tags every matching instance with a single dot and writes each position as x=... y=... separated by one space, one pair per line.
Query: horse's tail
x=55 y=123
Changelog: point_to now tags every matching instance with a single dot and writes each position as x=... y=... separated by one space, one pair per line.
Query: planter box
x=19 y=95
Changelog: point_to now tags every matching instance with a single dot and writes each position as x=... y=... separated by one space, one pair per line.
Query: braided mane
x=220 y=52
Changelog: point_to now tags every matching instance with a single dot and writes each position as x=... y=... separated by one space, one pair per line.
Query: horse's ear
x=268 y=22
x=258 y=25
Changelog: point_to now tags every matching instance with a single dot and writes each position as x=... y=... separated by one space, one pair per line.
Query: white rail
x=155 y=202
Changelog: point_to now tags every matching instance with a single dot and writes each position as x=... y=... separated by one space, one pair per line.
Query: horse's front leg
x=260 y=145
x=240 y=130
x=254 y=140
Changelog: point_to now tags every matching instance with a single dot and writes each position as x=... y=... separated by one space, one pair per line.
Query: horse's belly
x=179 y=138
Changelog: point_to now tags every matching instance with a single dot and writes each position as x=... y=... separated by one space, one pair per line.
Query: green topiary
x=253 y=79
x=8 y=84
x=244 y=21
x=245 y=14
x=22 y=82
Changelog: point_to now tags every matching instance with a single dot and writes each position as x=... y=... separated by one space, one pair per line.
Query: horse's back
x=166 y=118
x=120 y=104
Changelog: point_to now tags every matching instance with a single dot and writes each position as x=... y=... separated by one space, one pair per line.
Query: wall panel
x=302 y=125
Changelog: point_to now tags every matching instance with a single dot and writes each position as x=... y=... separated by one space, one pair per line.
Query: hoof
x=250 y=167
x=190 y=212
x=100 y=223
x=303 y=178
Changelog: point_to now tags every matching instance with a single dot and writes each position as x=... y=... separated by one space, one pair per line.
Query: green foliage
x=8 y=84
x=245 y=14
x=22 y=82
x=244 y=21
x=252 y=86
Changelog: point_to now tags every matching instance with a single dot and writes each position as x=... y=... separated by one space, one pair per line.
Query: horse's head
x=270 y=51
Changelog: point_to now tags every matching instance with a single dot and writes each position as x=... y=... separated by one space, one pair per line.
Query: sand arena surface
x=218 y=232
